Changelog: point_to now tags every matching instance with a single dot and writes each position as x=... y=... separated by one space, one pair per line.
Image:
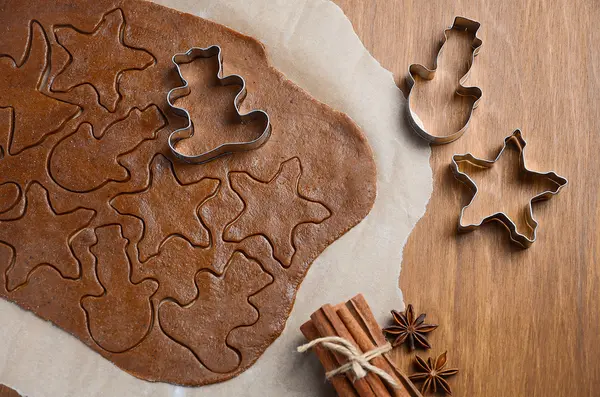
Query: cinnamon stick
x=354 y=321
x=365 y=343
x=325 y=328
x=363 y=311
x=341 y=384
x=366 y=315
x=375 y=381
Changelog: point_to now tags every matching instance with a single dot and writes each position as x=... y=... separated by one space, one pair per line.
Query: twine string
x=358 y=363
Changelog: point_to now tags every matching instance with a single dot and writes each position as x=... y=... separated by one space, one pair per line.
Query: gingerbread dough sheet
x=314 y=44
x=174 y=272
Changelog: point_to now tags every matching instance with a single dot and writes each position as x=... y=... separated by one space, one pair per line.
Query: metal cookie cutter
x=188 y=130
x=517 y=139
x=461 y=24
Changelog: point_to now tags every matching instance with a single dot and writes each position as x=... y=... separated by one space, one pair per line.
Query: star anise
x=433 y=374
x=407 y=328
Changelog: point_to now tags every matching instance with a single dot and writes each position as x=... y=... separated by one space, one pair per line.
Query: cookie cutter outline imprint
x=463 y=24
x=188 y=131
x=517 y=138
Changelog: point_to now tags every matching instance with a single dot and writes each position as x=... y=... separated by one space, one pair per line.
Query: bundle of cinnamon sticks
x=354 y=321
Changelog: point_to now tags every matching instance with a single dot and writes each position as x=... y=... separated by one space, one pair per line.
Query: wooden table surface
x=516 y=322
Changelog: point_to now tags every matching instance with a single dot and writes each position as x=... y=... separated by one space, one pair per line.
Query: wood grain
x=516 y=322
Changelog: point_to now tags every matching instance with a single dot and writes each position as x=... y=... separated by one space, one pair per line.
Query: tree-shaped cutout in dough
x=34 y=115
x=87 y=65
x=98 y=158
x=222 y=305
x=274 y=209
x=40 y=219
x=167 y=207
x=120 y=318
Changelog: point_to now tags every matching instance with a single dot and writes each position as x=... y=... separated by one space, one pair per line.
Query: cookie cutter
x=460 y=24
x=517 y=139
x=188 y=131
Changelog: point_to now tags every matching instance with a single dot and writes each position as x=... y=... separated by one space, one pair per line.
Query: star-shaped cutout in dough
x=40 y=219
x=167 y=207
x=87 y=65
x=535 y=186
x=33 y=115
x=274 y=209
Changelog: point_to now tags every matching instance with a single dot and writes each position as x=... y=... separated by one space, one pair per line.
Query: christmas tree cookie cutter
x=188 y=131
x=517 y=139
x=460 y=24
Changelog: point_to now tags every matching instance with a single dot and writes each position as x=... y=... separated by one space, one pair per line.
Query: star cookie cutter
x=460 y=24
x=188 y=131
x=517 y=139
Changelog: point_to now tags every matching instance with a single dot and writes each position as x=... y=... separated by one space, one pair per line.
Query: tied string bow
x=358 y=363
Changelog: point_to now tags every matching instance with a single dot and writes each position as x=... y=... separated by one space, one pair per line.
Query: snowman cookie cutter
x=460 y=24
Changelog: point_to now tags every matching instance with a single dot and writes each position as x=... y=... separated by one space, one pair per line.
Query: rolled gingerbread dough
x=315 y=46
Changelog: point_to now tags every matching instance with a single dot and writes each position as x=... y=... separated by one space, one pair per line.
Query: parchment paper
x=313 y=43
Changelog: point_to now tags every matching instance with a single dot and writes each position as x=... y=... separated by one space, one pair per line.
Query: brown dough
x=6 y=391
x=175 y=272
